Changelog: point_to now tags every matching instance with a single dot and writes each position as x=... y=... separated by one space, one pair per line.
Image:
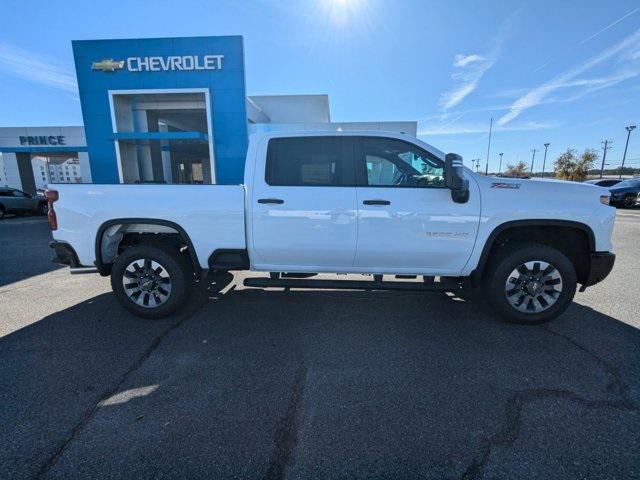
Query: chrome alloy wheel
x=533 y=286
x=146 y=283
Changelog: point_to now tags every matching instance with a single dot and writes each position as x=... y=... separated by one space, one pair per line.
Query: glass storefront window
x=163 y=137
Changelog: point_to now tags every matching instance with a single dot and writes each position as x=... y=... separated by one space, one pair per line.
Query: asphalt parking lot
x=274 y=384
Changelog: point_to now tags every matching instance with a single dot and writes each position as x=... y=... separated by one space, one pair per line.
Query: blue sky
x=567 y=73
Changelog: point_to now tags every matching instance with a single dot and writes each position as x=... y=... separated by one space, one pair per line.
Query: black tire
x=629 y=201
x=175 y=265
x=501 y=270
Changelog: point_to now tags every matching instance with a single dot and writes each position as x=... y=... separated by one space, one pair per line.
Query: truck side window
x=309 y=161
x=394 y=163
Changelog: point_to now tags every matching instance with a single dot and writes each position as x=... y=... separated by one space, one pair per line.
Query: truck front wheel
x=529 y=283
x=151 y=281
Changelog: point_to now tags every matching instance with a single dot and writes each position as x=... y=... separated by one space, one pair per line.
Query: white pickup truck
x=380 y=204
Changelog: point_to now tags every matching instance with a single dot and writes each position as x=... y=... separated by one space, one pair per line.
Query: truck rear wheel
x=151 y=281
x=529 y=283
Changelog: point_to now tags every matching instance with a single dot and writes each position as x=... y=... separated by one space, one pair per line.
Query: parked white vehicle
x=344 y=202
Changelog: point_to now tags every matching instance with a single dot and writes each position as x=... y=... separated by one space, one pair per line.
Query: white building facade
x=3 y=175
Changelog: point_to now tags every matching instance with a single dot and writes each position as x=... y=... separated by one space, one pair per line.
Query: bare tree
x=569 y=166
x=517 y=170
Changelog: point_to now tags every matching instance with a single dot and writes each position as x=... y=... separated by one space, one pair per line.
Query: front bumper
x=65 y=254
x=600 y=266
x=619 y=200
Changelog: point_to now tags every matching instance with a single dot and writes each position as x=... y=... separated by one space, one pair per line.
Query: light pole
x=546 y=147
x=629 y=129
x=532 y=159
x=500 y=164
x=607 y=146
x=486 y=171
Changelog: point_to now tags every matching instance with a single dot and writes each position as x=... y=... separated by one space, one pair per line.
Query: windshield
x=632 y=182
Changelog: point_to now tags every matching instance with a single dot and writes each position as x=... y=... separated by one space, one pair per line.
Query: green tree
x=569 y=166
x=518 y=170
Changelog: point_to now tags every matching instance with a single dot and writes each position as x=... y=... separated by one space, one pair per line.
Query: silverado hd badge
x=505 y=185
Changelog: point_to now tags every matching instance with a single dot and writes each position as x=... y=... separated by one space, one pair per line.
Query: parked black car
x=625 y=193
x=604 y=182
x=19 y=202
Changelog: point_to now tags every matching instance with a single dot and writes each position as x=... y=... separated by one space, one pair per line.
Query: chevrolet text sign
x=161 y=64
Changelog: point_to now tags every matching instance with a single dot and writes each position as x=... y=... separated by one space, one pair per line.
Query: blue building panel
x=226 y=87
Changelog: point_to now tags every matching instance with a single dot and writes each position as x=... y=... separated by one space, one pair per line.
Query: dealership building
x=165 y=110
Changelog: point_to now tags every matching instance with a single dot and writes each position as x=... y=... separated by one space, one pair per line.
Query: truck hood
x=544 y=183
x=532 y=189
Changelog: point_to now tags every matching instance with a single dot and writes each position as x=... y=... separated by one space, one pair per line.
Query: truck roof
x=349 y=133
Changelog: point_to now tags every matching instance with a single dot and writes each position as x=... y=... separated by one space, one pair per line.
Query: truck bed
x=211 y=215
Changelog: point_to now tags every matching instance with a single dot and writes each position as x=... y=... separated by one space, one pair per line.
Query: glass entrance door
x=163 y=137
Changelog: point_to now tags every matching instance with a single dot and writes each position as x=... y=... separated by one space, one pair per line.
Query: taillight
x=52 y=197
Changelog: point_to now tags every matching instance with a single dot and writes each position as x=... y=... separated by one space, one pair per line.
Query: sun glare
x=341 y=11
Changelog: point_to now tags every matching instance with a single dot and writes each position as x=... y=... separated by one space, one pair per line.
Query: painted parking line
x=628 y=214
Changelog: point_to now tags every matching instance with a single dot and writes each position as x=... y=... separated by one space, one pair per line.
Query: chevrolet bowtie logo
x=108 y=65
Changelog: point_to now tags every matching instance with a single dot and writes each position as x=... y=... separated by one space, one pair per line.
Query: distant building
x=36 y=156
x=3 y=173
x=48 y=170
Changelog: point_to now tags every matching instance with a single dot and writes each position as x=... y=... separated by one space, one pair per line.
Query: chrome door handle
x=270 y=200
x=376 y=202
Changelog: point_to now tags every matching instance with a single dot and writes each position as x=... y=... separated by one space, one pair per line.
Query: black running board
x=350 y=284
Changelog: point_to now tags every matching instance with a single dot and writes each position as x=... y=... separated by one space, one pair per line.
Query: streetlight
x=629 y=129
x=532 y=159
x=500 y=164
x=486 y=171
x=546 y=147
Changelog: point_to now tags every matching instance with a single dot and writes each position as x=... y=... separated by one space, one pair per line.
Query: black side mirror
x=454 y=178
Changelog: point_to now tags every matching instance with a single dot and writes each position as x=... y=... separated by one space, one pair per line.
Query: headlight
x=604 y=199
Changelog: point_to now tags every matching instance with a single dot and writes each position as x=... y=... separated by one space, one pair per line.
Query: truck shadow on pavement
x=323 y=384
x=24 y=243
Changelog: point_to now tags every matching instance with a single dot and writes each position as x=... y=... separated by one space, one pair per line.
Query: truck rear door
x=303 y=206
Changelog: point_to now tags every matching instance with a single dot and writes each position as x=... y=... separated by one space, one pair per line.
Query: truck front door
x=407 y=221
x=303 y=208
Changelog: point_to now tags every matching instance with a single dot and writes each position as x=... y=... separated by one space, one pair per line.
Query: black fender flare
x=105 y=269
x=476 y=275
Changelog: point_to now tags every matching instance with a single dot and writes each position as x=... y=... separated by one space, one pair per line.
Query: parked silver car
x=16 y=201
